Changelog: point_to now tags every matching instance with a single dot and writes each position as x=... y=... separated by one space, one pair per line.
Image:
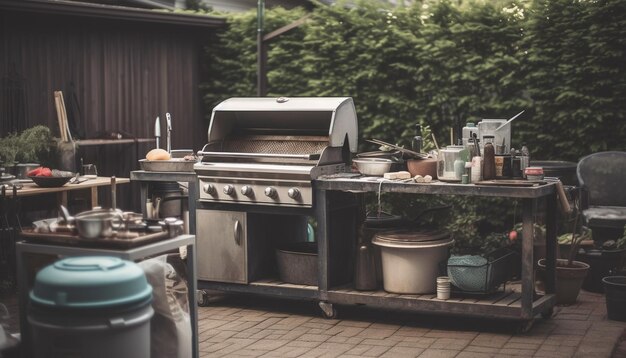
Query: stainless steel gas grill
x=255 y=180
x=266 y=151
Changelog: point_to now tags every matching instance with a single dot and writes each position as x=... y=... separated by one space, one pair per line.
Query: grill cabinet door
x=221 y=242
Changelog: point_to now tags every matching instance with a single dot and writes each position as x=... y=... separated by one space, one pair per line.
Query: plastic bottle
x=489 y=164
x=476 y=169
x=416 y=143
x=467 y=132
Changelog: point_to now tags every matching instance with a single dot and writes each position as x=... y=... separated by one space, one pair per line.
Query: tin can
x=503 y=166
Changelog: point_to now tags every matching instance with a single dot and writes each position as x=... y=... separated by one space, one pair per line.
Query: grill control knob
x=293 y=193
x=209 y=189
x=246 y=190
x=270 y=192
x=229 y=189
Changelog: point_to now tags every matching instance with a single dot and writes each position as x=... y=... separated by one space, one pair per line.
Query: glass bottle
x=416 y=143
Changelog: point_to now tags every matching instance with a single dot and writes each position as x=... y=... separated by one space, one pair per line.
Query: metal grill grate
x=274 y=145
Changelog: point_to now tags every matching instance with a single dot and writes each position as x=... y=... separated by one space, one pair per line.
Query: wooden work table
x=31 y=189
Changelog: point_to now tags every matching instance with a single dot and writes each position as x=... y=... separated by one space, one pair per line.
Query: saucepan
x=96 y=223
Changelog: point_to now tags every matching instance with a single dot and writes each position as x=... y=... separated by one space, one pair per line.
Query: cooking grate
x=275 y=144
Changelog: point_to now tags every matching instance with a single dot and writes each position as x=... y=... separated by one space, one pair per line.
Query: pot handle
x=118 y=221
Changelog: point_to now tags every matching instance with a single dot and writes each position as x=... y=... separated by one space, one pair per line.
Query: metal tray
x=118 y=240
x=172 y=165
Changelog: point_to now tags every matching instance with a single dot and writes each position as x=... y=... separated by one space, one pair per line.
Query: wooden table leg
x=94 y=197
x=528 y=262
x=62 y=198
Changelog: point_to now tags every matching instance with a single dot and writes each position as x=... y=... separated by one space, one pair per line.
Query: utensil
x=510 y=120
x=405 y=151
x=169 y=132
x=157 y=130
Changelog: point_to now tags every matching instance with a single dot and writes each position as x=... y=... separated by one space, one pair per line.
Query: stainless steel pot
x=98 y=223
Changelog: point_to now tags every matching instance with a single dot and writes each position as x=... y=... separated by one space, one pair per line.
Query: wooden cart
x=337 y=214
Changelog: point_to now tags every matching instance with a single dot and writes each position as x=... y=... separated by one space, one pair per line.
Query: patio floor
x=249 y=326
x=252 y=326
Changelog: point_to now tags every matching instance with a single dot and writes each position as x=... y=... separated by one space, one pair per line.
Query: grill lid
x=299 y=125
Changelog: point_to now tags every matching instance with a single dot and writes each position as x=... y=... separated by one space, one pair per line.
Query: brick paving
x=252 y=326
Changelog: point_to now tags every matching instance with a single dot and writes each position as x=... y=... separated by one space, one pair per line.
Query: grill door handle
x=237 y=232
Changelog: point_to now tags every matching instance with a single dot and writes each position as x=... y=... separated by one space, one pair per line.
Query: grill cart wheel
x=328 y=310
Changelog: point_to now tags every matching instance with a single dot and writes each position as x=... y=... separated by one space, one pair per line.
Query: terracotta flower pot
x=569 y=279
x=422 y=167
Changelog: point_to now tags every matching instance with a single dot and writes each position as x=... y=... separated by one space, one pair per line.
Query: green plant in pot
x=22 y=152
x=570 y=274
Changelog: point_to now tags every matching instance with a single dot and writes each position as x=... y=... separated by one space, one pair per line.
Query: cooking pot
x=171 y=198
x=98 y=223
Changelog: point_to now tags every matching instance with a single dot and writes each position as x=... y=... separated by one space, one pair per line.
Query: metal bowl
x=373 y=166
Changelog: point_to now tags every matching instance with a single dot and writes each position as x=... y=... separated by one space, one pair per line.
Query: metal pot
x=171 y=199
x=98 y=223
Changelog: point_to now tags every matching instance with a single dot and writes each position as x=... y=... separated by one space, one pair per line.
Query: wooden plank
x=57 y=105
x=514 y=296
x=436 y=187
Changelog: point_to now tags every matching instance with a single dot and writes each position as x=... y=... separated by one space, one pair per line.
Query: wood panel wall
x=125 y=74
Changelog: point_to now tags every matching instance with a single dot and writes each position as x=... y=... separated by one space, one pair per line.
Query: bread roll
x=158 y=154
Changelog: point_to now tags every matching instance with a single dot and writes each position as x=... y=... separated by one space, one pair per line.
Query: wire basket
x=481 y=274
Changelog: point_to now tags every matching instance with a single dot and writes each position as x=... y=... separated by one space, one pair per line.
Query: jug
x=445 y=164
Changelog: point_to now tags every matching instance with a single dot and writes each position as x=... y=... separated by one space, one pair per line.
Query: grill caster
x=328 y=310
x=205 y=297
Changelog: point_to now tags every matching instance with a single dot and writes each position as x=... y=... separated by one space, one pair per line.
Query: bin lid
x=90 y=282
x=412 y=238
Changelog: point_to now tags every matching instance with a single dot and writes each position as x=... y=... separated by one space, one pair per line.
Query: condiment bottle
x=416 y=143
x=525 y=160
x=489 y=158
x=476 y=169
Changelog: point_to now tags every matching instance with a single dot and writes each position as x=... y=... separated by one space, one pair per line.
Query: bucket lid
x=90 y=282
x=412 y=239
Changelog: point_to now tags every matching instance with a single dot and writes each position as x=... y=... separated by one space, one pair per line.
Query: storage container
x=412 y=260
x=481 y=274
x=97 y=307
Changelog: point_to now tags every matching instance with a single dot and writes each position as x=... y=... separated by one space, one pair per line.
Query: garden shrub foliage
x=443 y=63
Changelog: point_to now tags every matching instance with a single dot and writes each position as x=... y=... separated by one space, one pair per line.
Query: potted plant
x=570 y=274
x=28 y=149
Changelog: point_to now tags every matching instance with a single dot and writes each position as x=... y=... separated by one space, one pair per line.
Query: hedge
x=442 y=64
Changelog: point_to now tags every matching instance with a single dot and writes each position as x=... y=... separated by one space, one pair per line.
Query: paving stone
x=313 y=337
x=401 y=352
x=438 y=353
x=450 y=343
x=524 y=346
x=376 y=351
x=380 y=342
x=359 y=350
x=376 y=333
x=516 y=352
x=267 y=344
x=303 y=344
x=479 y=349
x=465 y=354
x=490 y=340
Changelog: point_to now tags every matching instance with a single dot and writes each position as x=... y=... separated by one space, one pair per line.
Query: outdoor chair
x=602 y=179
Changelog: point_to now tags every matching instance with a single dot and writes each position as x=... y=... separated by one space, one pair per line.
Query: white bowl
x=373 y=166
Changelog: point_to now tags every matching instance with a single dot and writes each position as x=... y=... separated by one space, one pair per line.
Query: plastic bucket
x=412 y=261
x=95 y=307
x=615 y=289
